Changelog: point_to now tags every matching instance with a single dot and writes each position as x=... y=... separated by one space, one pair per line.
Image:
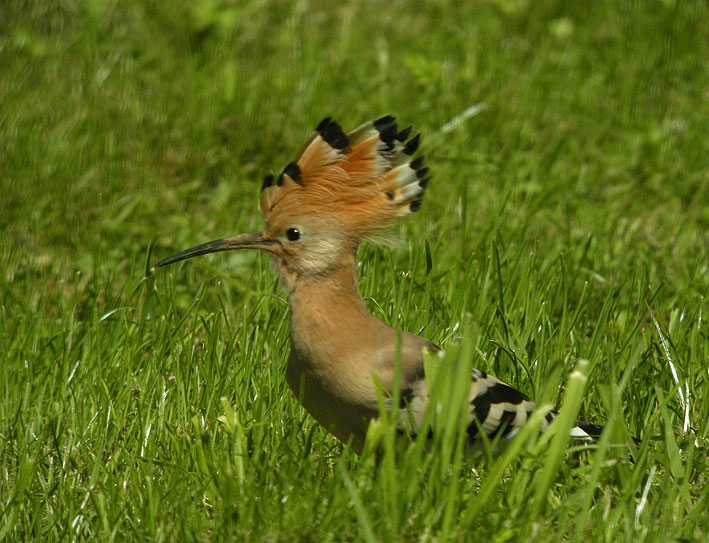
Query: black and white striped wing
x=500 y=410
x=496 y=410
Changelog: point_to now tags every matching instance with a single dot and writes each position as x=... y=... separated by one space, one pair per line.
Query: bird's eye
x=293 y=234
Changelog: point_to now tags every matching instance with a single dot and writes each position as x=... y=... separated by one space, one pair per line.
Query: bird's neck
x=328 y=317
x=329 y=302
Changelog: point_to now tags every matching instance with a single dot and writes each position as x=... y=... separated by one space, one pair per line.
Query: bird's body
x=342 y=188
x=335 y=355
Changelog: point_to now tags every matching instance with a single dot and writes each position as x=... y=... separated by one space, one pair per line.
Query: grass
x=567 y=220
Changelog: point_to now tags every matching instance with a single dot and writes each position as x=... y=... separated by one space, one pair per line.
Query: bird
x=343 y=189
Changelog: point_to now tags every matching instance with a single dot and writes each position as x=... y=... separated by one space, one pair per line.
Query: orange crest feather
x=365 y=178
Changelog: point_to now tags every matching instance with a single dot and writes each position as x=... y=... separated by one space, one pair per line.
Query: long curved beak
x=254 y=240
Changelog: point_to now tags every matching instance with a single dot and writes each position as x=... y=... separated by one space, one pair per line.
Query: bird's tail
x=586 y=431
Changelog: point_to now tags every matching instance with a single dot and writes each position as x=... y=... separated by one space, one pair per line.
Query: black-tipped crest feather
x=416 y=163
x=293 y=171
x=401 y=136
x=332 y=133
x=412 y=145
x=267 y=181
x=386 y=126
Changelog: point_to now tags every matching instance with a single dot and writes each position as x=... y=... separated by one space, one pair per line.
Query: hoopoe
x=343 y=188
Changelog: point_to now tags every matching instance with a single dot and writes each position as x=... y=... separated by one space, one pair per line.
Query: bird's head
x=342 y=188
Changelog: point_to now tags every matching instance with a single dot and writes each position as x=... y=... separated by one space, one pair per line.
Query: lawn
x=567 y=220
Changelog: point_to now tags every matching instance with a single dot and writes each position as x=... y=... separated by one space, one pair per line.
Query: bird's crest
x=366 y=178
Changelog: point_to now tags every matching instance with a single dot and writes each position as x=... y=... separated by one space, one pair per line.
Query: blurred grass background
x=569 y=218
